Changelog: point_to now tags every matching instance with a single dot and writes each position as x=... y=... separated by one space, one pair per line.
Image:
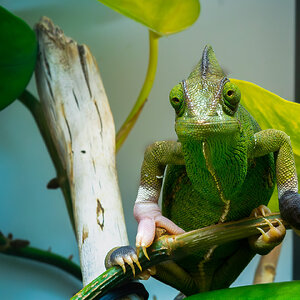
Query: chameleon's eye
x=232 y=96
x=177 y=99
x=177 y=104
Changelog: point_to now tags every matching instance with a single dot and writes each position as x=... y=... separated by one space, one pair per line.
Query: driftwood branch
x=81 y=126
x=170 y=247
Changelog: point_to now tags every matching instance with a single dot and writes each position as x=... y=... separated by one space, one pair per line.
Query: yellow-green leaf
x=161 y=16
x=272 y=111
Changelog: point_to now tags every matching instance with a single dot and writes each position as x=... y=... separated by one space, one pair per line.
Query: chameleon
x=222 y=168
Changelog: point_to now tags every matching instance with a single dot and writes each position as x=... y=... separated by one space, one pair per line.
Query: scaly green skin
x=221 y=168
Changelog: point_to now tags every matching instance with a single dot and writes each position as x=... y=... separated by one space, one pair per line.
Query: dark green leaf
x=18 y=53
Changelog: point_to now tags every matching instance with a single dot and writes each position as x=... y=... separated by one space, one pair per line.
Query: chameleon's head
x=205 y=103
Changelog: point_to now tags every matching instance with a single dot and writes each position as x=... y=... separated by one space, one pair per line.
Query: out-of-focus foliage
x=161 y=16
x=272 y=111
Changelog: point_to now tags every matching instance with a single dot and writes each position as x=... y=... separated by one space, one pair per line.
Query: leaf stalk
x=144 y=93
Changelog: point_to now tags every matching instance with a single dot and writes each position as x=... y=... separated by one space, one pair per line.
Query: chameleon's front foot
x=265 y=242
x=289 y=204
x=149 y=217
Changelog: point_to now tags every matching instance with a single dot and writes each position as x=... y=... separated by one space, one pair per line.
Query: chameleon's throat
x=209 y=253
x=211 y=170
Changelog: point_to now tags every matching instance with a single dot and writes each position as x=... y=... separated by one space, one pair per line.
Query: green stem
x=34 y=106
x=144 y=93
x=40 y=255
x=178 y=246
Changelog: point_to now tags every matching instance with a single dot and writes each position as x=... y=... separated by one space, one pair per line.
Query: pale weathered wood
x=82 y=129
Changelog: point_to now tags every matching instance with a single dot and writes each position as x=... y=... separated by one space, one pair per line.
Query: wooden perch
x=82 y=129
x=174 y=247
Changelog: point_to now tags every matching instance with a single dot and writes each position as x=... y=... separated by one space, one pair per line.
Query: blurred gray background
x=253 y=40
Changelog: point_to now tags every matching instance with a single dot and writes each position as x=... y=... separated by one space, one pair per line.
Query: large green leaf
x=271 y=291
x=161 y=16
x=272 y=111
x=18 y=53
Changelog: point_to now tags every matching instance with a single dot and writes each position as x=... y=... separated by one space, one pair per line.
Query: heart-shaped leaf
x=18 y=53
x=161 y=16
x=272 y=111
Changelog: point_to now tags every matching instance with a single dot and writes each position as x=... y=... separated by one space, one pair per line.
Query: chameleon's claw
x=129 y=261
x=264 y=235
x=262 y=210
x=265 y=210
x=137 y=250
x=145 y=252
x=135 y=259
x=275 y=233
x=279 y=222
x=120 y=262
x=269 y=223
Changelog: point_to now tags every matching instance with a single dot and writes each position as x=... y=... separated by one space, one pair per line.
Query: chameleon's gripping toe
x=144 y=249
x=149 y=217
x=265 y=242
x=260 y=211
x=289 y=205
x=121 y=256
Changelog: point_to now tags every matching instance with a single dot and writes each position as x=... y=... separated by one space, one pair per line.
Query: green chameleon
x=222 y=168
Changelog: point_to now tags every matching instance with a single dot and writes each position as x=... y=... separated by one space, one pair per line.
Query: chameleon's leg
x=172 y=274
x=266 y=241
x=262 y=244
x=271 y=140
x=232 y=267
x=146 y=209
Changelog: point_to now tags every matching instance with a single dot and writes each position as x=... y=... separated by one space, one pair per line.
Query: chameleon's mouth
x=199 y=129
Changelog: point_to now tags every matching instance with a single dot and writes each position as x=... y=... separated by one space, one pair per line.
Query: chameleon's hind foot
x=121 y=256
x=265 y=242
x=274 y=234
